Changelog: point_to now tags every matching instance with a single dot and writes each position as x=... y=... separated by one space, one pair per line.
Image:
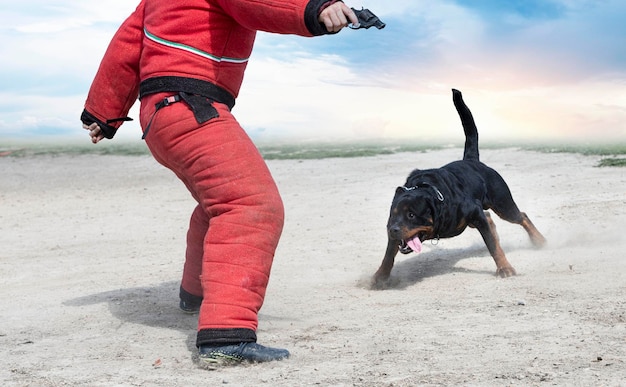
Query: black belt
x=187 y=85
x=199 y=96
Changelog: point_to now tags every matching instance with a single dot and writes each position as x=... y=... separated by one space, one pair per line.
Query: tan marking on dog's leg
x=535 y=236
x=492 y=226
x=503 y=267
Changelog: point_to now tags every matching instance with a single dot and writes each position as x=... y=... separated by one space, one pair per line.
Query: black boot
x=189 y=303
x=237 y=353
x=189 y=307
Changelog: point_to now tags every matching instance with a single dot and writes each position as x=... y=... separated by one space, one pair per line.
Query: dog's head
x=413 y=215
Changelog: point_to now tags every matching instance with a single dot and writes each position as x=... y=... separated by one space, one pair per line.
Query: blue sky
x=532 y=69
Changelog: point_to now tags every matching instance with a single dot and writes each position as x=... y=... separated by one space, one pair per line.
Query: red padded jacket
x=207 y=40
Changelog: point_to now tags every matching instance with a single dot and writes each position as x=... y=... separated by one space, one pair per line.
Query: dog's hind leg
x=502 y=203
x=513 y=215
x=535 y=236
x=523 y=220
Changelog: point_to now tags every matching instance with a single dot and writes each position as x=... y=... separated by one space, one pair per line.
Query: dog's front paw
x=378 y=282
x=505 y=271
x=382 y=281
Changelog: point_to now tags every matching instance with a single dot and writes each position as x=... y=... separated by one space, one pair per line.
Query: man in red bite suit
x=185 y=60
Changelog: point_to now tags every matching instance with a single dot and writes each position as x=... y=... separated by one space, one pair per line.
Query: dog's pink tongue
x=415 y=244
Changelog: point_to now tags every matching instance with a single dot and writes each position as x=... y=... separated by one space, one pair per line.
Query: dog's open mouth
x=412 y=245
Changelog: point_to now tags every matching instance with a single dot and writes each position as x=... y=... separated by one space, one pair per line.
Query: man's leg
x=226 y=174
x=191 y=287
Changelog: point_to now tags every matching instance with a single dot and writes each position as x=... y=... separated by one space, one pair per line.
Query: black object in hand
x=367 y=19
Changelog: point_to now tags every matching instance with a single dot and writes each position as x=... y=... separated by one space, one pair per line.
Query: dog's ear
x=399 y=190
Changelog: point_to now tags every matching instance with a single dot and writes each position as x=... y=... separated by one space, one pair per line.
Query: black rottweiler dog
x=441 y=203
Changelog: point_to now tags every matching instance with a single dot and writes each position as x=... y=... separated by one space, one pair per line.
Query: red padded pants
x=235 y=228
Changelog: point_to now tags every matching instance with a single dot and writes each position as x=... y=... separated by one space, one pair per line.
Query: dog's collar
x=425 y=185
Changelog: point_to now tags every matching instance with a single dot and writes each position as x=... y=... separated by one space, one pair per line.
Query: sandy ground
x=92 y=250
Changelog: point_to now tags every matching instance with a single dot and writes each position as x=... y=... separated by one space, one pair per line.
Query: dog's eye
x=410 y=215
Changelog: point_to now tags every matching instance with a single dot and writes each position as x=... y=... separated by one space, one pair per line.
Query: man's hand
x=94 y=132
x=336 y=16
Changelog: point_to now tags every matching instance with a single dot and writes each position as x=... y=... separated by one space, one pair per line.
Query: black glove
x=107 y=130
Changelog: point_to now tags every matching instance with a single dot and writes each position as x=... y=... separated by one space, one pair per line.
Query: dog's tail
x=469 y=127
